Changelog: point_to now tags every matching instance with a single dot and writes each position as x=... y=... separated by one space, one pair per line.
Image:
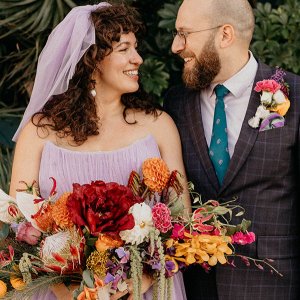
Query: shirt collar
x=239 y=82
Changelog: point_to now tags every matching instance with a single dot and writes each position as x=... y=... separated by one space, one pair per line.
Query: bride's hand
x=146 y=284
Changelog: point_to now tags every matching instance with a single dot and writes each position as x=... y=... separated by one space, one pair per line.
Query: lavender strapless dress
x=68 y=166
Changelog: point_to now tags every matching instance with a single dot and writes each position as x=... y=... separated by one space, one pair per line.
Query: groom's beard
x=206 y=68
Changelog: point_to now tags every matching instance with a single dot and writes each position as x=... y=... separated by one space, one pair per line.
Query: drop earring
x=93 y=90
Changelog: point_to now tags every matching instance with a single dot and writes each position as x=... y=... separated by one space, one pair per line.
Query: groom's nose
x=178 y=45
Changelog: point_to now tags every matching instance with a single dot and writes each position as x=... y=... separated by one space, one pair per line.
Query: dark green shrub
x=277 y=37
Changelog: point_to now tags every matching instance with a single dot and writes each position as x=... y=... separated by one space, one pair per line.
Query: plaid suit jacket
x=264 y=175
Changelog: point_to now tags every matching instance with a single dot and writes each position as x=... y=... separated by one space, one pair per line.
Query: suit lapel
x=248 y=134
x=195 y=125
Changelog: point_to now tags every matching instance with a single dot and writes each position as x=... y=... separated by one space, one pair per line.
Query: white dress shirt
x=236 y=103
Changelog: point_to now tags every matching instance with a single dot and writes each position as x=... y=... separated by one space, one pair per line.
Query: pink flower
x=199 y=217
x=178 y=232
x=243 y=238
x=161 y=216
x=268 y=85
x=27 y=233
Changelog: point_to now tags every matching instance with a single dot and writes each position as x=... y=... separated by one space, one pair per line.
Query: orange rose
x=106 y=242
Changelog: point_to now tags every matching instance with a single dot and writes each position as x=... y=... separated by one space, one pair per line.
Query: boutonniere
x=274 y=102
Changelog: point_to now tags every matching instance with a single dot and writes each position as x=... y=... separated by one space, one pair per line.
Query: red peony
x=102 y=207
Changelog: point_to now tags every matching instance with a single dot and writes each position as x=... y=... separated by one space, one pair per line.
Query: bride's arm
x=27 y=156
x=168 y=139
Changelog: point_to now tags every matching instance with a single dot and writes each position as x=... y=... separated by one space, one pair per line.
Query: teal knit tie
x=218 y=149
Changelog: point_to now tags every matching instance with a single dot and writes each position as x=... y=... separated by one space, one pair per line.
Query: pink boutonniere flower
x=274 y=102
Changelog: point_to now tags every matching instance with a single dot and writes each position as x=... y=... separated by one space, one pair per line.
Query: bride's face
x=120 y=69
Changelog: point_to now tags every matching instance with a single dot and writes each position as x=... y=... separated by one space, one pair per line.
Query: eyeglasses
x=184 y=34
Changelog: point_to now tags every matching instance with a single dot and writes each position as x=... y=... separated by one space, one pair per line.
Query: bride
x=86 y=119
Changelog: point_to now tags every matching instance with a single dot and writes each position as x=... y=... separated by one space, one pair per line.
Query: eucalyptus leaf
x=88 y=278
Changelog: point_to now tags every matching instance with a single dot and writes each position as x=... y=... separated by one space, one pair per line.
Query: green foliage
x=5 y=167
x=154 y=77
x=24 y=27
x=160 y=68
x=276 y=38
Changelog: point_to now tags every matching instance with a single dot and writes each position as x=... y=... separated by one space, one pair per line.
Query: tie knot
x=221 y=91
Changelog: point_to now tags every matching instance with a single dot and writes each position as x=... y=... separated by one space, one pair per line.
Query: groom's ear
x=227 y=36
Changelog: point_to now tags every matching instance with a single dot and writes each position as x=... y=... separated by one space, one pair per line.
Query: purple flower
x=108 y=278
x=123 y=255
x=156 y=266
x=169 y=266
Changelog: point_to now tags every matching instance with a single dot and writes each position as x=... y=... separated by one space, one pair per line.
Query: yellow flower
x=282 y=108
x=155 y=174
x=97 y=262
x=3 y=289
x=201 y=248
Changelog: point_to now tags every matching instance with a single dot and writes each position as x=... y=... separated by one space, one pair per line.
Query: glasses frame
x=184 y=34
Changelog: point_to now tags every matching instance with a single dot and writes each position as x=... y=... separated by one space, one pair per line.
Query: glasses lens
x=180 y=35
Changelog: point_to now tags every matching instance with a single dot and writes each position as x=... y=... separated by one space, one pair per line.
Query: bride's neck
x=108 y=107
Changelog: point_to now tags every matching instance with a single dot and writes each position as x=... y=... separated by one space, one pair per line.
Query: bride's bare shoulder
x=36 y=132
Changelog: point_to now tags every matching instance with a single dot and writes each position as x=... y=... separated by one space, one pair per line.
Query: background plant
x=277 y=38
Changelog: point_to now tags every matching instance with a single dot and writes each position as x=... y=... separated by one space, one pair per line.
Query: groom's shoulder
x=176 y=94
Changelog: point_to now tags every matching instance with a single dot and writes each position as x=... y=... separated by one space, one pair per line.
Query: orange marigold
x=155 y=173
x=44 y=219
x=60 y=212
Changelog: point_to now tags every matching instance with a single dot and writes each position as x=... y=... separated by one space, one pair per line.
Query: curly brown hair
x=73 y=113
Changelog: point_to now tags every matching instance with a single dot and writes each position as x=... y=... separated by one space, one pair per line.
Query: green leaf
x=4 y=231
x=91 y=241
x=245 y=225
x=239 y=214
x=154 y=77
x=88 y=278
x=220 y=210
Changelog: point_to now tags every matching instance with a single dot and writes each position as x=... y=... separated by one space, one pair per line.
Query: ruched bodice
x=68 y=166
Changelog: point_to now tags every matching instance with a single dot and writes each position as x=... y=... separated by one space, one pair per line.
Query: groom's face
x=201 y=59
x=205 y=67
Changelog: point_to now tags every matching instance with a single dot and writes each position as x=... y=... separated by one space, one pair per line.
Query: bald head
x=238 y=13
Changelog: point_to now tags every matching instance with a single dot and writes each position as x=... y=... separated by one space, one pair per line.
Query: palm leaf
x=25 y=25
x=5 y=167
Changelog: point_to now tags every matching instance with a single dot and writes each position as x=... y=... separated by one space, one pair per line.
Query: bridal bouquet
x=106 y=236
x=99 y=235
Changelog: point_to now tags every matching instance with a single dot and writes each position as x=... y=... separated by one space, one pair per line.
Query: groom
x=259 y=167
